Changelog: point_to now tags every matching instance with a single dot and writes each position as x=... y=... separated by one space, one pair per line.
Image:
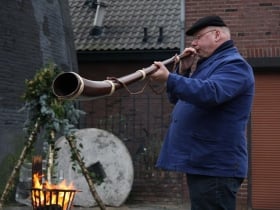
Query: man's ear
x=217 y=35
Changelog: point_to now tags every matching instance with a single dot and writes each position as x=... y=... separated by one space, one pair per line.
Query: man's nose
x=193 y=43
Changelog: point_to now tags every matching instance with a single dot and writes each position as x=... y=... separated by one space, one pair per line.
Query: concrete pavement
x=124 y=207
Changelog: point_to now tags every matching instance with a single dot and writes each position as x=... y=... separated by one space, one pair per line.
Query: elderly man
x=213 y=91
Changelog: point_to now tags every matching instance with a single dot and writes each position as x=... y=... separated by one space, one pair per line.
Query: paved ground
x=125 y=207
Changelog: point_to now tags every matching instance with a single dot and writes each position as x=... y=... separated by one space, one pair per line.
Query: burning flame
x=50 y=194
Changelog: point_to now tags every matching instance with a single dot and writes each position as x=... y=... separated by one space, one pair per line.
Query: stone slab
x=105 y=152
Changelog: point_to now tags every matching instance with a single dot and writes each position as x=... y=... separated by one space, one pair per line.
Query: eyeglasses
x=197 y=37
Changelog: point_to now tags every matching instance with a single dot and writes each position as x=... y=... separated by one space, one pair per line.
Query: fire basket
x=52 y=199
x=48 y=196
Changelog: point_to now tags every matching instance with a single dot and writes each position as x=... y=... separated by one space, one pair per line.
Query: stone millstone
x=106 y=156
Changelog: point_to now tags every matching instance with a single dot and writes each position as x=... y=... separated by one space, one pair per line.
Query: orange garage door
x=265 y=143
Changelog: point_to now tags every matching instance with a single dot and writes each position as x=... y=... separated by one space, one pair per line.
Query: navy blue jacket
x=207 y=134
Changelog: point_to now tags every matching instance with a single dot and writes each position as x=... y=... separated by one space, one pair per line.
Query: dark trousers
x=213 y=193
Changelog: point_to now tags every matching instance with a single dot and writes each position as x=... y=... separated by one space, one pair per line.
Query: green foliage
x=55 y=115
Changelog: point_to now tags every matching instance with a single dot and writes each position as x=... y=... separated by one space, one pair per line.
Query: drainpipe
x=182 y=25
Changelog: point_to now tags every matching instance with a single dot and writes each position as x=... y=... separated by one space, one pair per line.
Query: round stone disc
x=107 y=157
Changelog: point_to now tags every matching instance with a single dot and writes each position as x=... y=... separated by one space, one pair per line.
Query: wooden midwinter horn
x=70 y=85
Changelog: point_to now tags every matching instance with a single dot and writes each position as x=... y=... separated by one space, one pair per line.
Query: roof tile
x=124 y=24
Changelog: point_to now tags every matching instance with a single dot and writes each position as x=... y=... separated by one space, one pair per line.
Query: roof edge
x=264 y=62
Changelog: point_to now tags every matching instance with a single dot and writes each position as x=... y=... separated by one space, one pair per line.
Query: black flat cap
x=204 y=22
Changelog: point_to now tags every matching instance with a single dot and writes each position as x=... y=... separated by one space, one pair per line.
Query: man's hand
x=161 y=74
x=187 y=61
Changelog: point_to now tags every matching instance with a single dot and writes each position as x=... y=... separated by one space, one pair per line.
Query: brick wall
x=252 y=35
x=254 y=24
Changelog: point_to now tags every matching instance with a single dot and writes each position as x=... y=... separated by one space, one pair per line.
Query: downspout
x=182 y=25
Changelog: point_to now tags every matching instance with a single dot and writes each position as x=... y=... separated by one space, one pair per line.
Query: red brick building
x=133 y=35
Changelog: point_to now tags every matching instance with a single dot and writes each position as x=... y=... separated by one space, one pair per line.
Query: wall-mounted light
x=99 y=17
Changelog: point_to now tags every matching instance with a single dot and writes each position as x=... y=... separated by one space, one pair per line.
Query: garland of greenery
x=40 y=102
x=56 y=116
